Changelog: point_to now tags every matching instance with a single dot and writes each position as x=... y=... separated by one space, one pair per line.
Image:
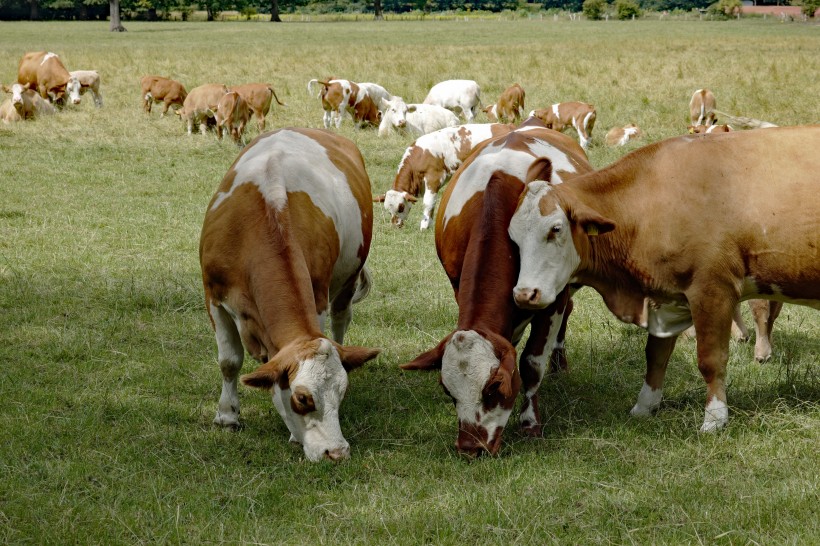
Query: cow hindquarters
x=231 y=356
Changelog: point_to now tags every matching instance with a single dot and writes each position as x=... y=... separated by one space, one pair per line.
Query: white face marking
x=648 y=401
x=16 y=93
x=396 y=203
x=73 y=90
x=325 y=379
x=716 y=415
x=548 y=254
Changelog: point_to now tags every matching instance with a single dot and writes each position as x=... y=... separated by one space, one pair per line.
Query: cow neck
x=491 y=263
x=406 y=178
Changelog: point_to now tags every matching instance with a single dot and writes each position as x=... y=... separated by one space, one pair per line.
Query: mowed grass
x=108 y=371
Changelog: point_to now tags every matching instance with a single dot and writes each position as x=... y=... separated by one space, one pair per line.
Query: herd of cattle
x=674 y=235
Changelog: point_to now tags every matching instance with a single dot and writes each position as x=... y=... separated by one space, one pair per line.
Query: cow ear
x=266 y=376
x=6 y=88
x=506 y=380
x=383 y=103
x=541 y=169
x=590 y=221
x=430 y=360
x=411 y=108
x=411 y=198
x=378 y=198
x=354 y=357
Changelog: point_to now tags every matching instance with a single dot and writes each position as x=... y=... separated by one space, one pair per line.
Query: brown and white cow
x=560 y=116
x=708 y=129
x=739 y=222
x=232 y=114
x=619 y=136
x=338 y=98
x=259 y=97
x=284 y=243
x=200 y=105
x=701 y=108
x=478 y=359
x=510 y=105
x=165 y=90
x=23 y=104
x=81 y=81
x=429 y=162
x=45 y=72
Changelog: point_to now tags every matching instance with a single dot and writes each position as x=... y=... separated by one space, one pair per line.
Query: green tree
x=627 y=9
x=594 y=9
x=807 y=7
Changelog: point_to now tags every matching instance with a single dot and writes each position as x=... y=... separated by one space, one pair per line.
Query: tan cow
x=701 y=108
x=510 y=105
x=284 y=243
x=82 y=81
x=200 y=105
x=619 y=136
x=24 y=104
x=259 y=97
x=45 y=72
x=562 y=115
x=231 y=114
x=739 y=222
x=165 y=90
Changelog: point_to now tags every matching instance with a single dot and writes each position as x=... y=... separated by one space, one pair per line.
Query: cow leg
x=583 y=139
x=558 y=360
x=739 y=330
x=98 y=102
x=165 y=106
x=260 y=121
x=429 y=202
x=231 y=355
x=764 y=313
x=341 y=314
x=658 y=351
x=327 y=118
x=147 y=102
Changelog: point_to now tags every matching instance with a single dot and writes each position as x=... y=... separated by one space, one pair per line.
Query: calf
x=81 y=81
x=158 y=89
x=258 y=97
x=619 y=136
x=200 y=105
x=45 y=72
x=284 y=242
x=510 y=105
x=416 y=119
x=24 y=104
x=701 y=108
x=740 y=203
x=232 y=114
x=478 y=359
x=458 y=95
x=338 y=98
x=562 y=115
x=429 y=162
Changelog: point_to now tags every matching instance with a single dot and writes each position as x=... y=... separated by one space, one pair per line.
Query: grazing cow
x=165 y=90
x=619 y=136
x=24 y=104
x=81 y=81
x=417 y=119
x=708 y=129
x=457 y=95
x=232 y=114
x=284 y=242
x=562 y=115
x=510 y=105
x=478 y=359
x=338 y=97
x=701 y=108
x=740 y=221
x=200 y=105
x=45 y=72
x=258 y=96
x=429 y=162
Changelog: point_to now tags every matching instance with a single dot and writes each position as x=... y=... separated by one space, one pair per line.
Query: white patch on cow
x=231 y=355
x=667 y=319
x=716 y=415
x=629 y=132
x=48 y=56
x=16 y=93
x=392 y=203
x=649 y=400
x=429 y=203
x=73 y=88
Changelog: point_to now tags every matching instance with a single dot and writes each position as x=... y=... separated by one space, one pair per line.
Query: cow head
x=394 y=112
x=398 y=204
x=72 y=89
x=16 y=91
x=545 y=231
x=308 y=380
x=479 y=373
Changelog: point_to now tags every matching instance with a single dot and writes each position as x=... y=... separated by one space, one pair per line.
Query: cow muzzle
x=337 y=454
x=473 y=441
x=529 y=298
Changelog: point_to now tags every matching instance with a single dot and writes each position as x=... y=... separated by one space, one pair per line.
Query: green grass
x=108 y=371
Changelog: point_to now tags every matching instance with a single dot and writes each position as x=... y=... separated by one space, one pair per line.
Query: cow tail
x=363 y=284
x=280 y=103
x=309 y=87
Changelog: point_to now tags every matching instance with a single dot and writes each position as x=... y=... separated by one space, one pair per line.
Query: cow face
x=398 y=204
x=72 y=89
x=394 y=112
x=308 y=381
x=16 y=91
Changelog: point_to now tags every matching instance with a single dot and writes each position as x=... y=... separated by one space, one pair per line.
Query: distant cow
x=562 y=115
x=457 y=95
x=429 y=162
x=708 y=129
x=740 y=221
x=45 y=72
x=338 y=98
x=200 y=105
x=619 y=136
x=284 y=243
x=510 y=105
x=416 y=119
x=165 y=90
x=232 y=115
x=23 y=104
x=701 y=108
x=258 y=96
x=85 y=80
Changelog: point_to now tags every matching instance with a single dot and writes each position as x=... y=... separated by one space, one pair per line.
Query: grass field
x=108 y=371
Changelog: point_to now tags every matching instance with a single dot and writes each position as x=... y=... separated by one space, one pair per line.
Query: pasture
x=109 y=380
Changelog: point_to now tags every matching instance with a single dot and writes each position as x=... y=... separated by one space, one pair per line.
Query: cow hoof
x=424 y=224
x=642 y=411
x=533 y=431
x=711 y=427
x=763 y=357
x=227 y=421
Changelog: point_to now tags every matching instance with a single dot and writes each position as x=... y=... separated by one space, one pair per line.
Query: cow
x=578 y=115
x=258 y=96
x=81 y=81
x=696 y=224
x=365 y=113
x=701 y=108
x=165 y=90
x=284 y=242
x=375 y=91
x=338 y=98
x=24 y=104
x=457 y=95
x=45 y=72
x=478 y=359
x=708 y=129
x=429 y=162
x=200 y=105
x=510 y=105
x=232 y=114
x=416 y=119
x=619 y=136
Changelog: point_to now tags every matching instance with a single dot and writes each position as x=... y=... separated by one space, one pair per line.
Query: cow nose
x=76 y=101
x=527 y=297
x=469 y=448
x=402 y=123
x=337 y=454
